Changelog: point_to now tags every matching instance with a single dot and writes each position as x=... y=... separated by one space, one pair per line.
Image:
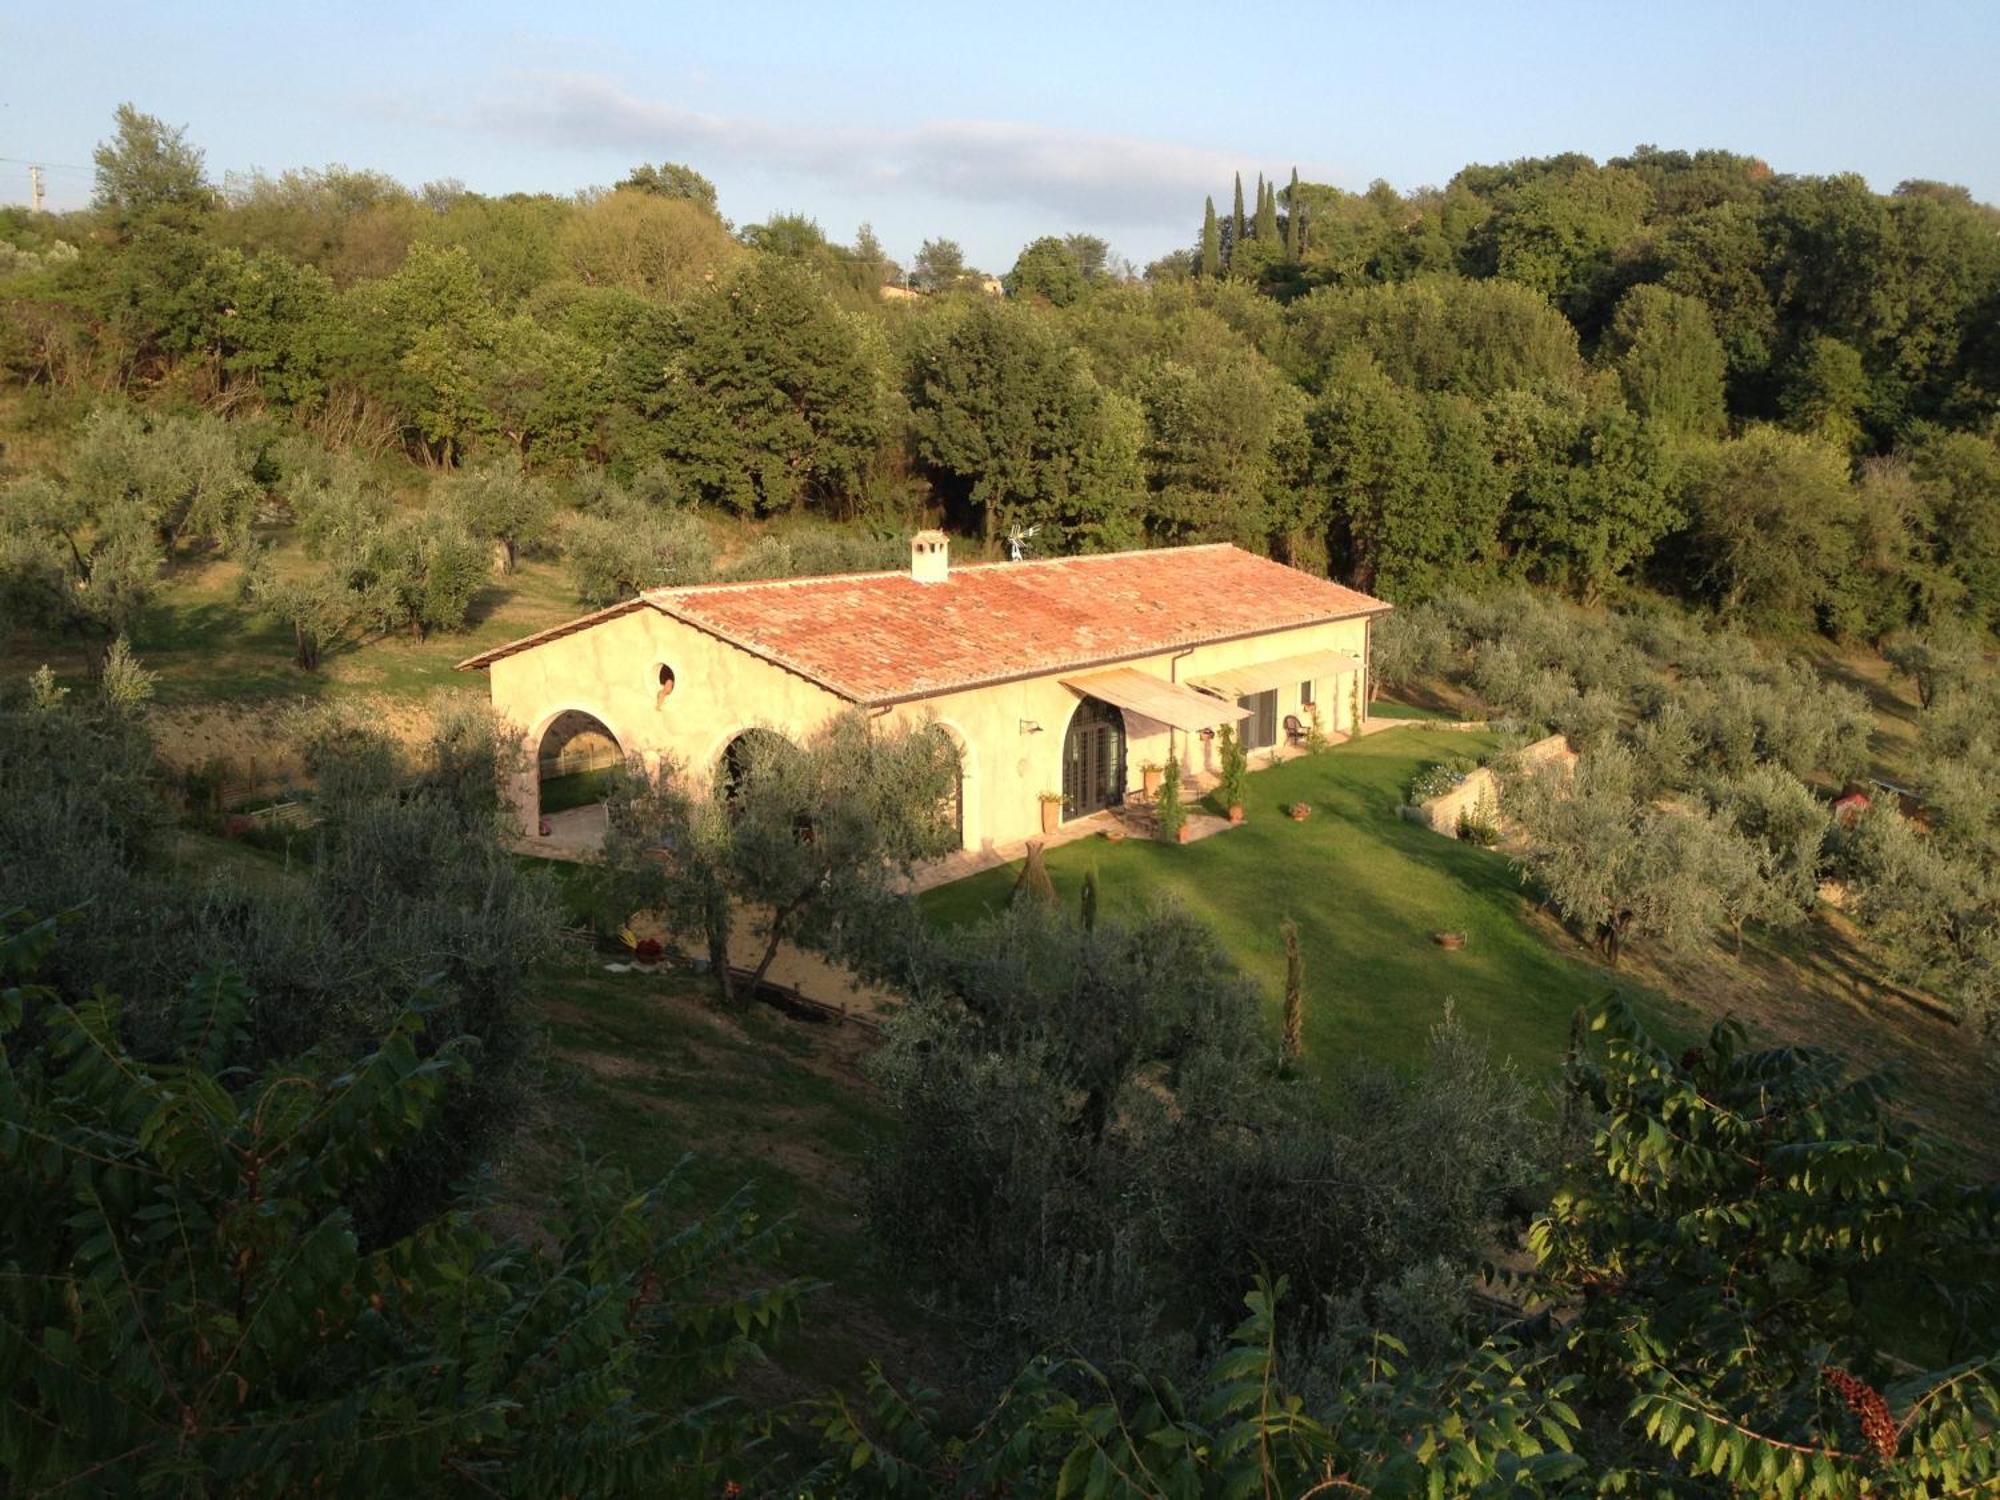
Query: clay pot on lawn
x=1183 y=834
x=1236 y=812
x=1299 y=811
x=1449 y=941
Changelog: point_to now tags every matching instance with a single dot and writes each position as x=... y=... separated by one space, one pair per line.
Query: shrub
x=407 y=882
x=1477 y=830
x=1440 y=777
x=803 y=551
x=202 y=1315
x=1235 y=769
x=1411 y=647
x=1096 y=1109
x=622 y=548
x=1172 y=811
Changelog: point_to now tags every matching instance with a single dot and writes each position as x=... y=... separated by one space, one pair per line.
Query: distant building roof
x=881 y=638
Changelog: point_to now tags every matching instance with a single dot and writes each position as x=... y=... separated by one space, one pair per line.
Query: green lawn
x=1367 y=890
x=577 y=789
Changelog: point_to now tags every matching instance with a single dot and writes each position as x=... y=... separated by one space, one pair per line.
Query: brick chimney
x=930 y=557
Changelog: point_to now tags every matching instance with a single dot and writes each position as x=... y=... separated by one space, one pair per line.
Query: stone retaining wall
x=1477 y=798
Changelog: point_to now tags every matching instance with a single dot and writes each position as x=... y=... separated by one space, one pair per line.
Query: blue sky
x=993 y=124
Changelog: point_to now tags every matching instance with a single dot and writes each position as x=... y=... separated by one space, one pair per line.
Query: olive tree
x=1611 y=862
x=187 y=475
x=1936 y=910
x=1409 y=648
x=418 y=574
x=620 y=547
x=1095 y=1135
x=818 y=833
x=809 y=841
x=665 y=851
x=1937 y=662
x=69 y=565
x=501 y=503
x=318 y=608
x=1775 y=830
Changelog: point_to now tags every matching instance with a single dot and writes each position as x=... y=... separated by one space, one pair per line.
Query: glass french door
x=1260 y=730
x=1093 y=759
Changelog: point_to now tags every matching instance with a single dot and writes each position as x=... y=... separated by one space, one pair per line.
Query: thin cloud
x=1103 y=177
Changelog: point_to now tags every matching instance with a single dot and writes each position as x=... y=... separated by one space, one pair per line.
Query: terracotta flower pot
x=1149 y=778
x=1051 y=816
x=1183 y=834
x=1236 y=812
x=1300 y=811
x=1448 y=940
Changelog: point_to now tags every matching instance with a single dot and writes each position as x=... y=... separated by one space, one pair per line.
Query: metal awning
x=1162 y=701
x=1261 y=677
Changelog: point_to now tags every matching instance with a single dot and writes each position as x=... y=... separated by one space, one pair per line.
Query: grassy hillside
x=1368 y=889
x=209 y=647
x=644 y=1070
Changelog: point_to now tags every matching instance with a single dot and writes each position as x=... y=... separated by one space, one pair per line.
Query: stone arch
x=726 y=765
x=562 y=726
x=968 y=782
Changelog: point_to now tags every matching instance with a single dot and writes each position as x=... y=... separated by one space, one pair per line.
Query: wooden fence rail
x=571 y=763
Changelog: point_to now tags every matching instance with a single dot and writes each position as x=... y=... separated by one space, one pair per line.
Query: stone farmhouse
x=1059 y=676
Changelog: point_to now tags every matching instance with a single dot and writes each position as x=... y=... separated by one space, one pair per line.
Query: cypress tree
x=1292 y=245
x=1267 y=211
x=1238 y=224
x=1211 y=243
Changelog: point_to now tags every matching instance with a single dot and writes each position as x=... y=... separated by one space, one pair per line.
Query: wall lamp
x=1031 y=726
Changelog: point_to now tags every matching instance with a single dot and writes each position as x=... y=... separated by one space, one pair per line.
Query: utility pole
x=35 y=187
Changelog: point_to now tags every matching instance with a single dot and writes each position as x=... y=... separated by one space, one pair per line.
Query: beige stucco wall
x=611 y=671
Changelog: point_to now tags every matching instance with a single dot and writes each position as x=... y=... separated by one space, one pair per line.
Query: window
x=1305 y=695
x=666 y=686
x=1260 y=730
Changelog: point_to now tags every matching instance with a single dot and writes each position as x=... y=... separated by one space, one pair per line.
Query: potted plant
x=1173 y=812
x=1051 y=811
x=1235 y=772
x=1298 y=812
x=1149 y=778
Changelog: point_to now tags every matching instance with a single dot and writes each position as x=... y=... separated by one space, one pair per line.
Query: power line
x=53 y=166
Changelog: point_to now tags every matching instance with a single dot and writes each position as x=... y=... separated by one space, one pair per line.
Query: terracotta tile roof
x=885 y=638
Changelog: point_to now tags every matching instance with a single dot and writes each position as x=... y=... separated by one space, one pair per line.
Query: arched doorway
x=1093 y=759
x=748 y=754
x=574 y=762
x=951 y=810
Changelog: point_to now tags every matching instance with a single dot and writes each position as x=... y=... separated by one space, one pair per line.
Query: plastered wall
x=1010 y=735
